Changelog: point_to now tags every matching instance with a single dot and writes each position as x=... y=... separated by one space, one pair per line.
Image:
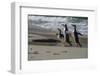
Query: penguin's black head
x=58 y=29
x=65 y=25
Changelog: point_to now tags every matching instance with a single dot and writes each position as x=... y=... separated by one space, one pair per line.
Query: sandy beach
x=55 y=52
x=47 y=39
x=46 y=46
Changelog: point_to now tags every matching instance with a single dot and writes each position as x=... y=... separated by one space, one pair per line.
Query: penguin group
x=65 y=35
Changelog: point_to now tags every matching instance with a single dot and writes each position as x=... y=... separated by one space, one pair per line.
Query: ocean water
x=52 y=23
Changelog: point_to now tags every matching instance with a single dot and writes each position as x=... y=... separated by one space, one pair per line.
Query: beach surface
x=56 y=52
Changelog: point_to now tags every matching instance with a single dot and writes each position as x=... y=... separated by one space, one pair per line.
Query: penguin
x=66 y=32
x=60 y=35
x=76 y=36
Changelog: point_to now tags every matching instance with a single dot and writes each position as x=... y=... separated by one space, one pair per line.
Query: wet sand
x=50 y=39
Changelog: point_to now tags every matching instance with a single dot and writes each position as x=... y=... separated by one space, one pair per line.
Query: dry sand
x=56 y=52
x=49 y=51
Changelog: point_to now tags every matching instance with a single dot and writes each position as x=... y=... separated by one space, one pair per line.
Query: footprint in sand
x=48 y=51
x=65 y=51
x=35 y=52
x=56 y=54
